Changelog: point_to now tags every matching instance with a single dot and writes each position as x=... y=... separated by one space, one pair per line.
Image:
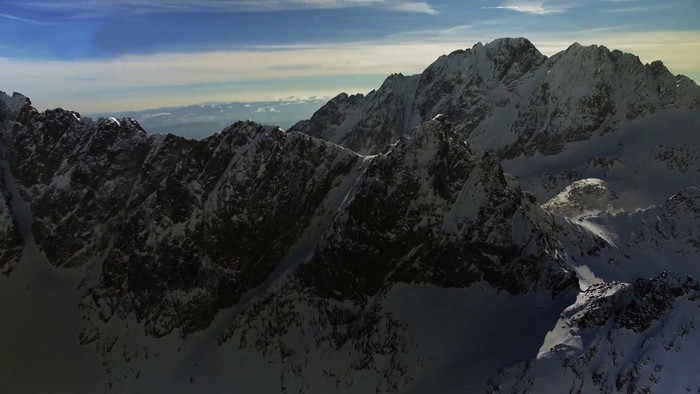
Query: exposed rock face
x=174 y=230
x=508 y=97
x=429 y=211
x=182 y=227
x=367 y=124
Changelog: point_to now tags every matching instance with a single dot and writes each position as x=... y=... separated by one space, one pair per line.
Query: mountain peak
x=657 y=67
x=506 y=96
x=434 y=134
x=512 y=47
x=246 y=132
x=510 y=58
x=126 y=125
x=510 y=42
x=14 y=103
x=600 y=53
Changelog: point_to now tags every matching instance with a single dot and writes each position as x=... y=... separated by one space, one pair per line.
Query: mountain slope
x=428 y=211
x=624 y=246
x=508 y=97
x=181 y=227
x=188 y=244
x=413 y=235
x=586 y=112
x=643 y=161
x=618 y=338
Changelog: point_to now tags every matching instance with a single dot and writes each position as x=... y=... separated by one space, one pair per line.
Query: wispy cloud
x=530 y=7
x=19 y=19
x=419 y=7
x=644 y=8
x=135 y=81
x=147 y=81
x=95 y=8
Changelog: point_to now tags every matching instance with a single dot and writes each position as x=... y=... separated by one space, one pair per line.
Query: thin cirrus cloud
x=96 y=8
x=134 y=81
x=167 y=57
x=531 y=7
x=19 y=19
x=646 y=8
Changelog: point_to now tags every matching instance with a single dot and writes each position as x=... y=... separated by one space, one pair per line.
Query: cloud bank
x=96 y=8
x=263 y=73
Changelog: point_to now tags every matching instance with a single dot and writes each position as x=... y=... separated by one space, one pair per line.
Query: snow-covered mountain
x=623 y=246
x=618 y=337
x=202 y=120
x=162 y=208
x=586 y=112
x=264 y=260
x=506 y=96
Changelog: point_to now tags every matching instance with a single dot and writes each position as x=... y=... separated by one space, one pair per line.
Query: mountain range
x=202 y=120
x=503 y=222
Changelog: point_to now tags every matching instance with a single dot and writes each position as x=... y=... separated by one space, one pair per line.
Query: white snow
x=636 y=173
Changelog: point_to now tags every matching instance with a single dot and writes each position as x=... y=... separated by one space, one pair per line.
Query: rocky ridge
x=157 y=212
x=507 y=97
x=170 y=231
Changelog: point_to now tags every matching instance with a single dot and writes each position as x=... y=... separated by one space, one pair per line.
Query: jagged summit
x=510 y=42
x=14 y=103
x=248 y=128
x=506 y=96
x=513 y=57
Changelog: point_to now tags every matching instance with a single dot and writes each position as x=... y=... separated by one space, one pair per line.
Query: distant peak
x=14 y=103
x=512 y=57
x=393 y=79
x=594 y=48
x=657 y=67
x=339 y=97
x=574 y=46
x=250 y=128
x=19 y=96
x=112 y=123
x=514 y=42
x=344 y=97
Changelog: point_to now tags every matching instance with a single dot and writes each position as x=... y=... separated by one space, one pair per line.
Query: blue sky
x=110 y=55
